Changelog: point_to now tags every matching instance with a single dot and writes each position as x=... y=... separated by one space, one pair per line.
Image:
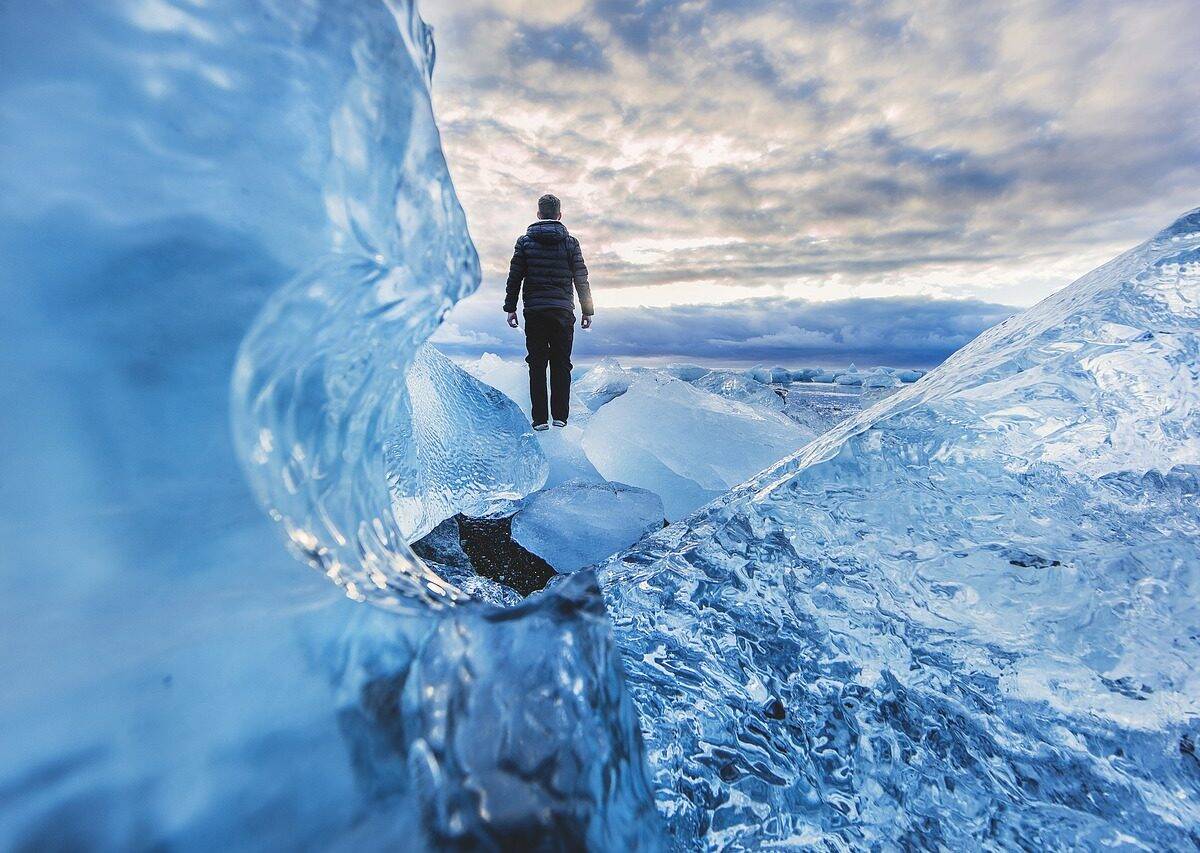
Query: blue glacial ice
x=964 y=618
x=603 y=383
x=250 y=193
x=465 y=448
x=579 y=523
x=683 y=443
x=563 y=448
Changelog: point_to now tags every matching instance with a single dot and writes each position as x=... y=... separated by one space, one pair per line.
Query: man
x=548 y=260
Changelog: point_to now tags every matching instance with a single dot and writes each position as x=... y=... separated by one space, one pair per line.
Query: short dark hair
x=549 y=207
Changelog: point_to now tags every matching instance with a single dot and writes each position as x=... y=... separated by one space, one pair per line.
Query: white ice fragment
x=467 y=448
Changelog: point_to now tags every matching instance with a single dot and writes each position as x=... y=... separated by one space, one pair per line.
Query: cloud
x=899 y=331
x=562 y=46
x=450 y=334
x=890 y=145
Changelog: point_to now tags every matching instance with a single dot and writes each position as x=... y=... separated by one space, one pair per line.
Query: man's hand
x=512 y=319
x=586 y=322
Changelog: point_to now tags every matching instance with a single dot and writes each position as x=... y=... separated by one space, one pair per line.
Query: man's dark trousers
x=549 y=333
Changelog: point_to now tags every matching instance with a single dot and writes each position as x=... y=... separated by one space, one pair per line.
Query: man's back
x=548 y=260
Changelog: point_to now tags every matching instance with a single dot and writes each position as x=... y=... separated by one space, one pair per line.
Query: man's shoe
x=559 y=423
x=540 y=427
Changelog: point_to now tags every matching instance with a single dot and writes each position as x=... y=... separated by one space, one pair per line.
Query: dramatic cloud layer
x=711 y=150
x=911 y=331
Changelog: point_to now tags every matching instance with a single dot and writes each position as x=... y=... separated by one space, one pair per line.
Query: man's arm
x=581 y=282
x=516 y=274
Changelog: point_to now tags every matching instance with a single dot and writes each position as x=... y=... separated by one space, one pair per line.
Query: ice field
x=952 y=611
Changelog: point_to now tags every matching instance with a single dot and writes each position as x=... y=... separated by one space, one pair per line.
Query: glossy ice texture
x=683 y=443
x=603 y=383
x=181 y=179
x=561 y=446
x=964 y=618
x=580 y=523
x=468 y=448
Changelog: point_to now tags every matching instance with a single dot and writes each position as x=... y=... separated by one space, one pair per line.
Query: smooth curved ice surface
x=683 y=443
x=562 y=447
x=319 y=395
x=171 y=171
x=966 y=618
x=579 y=523
x=468 y=448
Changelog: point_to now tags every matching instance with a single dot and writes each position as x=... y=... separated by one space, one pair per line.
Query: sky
x=816 y=181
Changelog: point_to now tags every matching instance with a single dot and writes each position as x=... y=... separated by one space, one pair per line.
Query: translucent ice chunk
x=561 y=446
x=850 y=376
x=964 y=617
x=736 y=386
x=511 y=376
x=879 y=379
x=606 y=381
x=579 y=523
x=685 y=444
x=686 y=372
x=468 y=448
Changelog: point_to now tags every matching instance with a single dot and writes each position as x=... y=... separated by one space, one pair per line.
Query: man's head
x=549 y=207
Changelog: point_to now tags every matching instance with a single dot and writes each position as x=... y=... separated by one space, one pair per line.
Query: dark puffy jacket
x=549 y=261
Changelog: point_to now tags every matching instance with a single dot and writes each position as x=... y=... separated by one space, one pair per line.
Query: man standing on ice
x=549 y=262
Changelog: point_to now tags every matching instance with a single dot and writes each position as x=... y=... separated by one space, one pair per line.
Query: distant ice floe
x=683 y=422
x=874 y=378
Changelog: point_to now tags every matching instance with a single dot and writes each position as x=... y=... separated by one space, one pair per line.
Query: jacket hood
x=547 y=231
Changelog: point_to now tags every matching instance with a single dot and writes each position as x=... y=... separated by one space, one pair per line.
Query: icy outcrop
x=682 y=443
x=603 y=383
x=468 y=448
x=495 y=729
x=579 y=523
x=173 y=171
x=804 y=374
x=964 y=618
x=510 y=376
x=769 y=375
x=686 y=372
x=880 y=378
x=850 y=376
x=562 y=447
